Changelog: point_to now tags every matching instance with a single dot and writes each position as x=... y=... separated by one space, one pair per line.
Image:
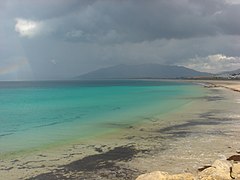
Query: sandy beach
x=229 y=84
x=192 y=137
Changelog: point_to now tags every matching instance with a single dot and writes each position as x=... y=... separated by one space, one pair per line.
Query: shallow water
x=38 y=114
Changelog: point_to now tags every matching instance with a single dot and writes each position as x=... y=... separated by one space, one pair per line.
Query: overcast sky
x=59 y=39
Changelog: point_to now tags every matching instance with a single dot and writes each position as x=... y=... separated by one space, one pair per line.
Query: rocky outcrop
x=219 y=170
x=235 y=171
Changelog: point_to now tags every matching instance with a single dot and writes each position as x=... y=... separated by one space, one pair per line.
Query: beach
x=230 y=84
x=191 y=137
x=218 y=152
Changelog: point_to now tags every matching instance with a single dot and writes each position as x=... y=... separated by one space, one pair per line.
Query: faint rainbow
x=14 y=67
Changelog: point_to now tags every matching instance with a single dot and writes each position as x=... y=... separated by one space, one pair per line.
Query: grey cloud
x=119 y=21
x=78 y=36
x=108 y=21
x=44 y=9
x=228 y=21
x=73 y=59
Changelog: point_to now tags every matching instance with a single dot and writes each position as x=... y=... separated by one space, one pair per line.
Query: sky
x=61 y=39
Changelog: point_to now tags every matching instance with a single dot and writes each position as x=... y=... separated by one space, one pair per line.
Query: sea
x=35 y=115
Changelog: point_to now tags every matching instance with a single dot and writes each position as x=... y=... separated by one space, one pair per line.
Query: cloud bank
x=63 y=39
x=214 y=63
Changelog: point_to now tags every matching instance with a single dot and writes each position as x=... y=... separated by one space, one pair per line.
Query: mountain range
x=143 y=71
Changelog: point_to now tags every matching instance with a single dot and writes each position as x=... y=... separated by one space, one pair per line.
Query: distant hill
x=142 y=71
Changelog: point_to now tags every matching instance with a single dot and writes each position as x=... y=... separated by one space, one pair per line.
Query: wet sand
x=235 y=86
x=204 y=130
x=228 y=84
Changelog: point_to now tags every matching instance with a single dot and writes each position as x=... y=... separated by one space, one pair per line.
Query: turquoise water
x=36 y=114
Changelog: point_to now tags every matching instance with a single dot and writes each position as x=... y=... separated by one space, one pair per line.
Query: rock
x=158 y=175
x=184 y=176
x=212 y=174
x=235 y=158
x=222 y=165
x=204 y=167
x=220 y=169
x=235 y=171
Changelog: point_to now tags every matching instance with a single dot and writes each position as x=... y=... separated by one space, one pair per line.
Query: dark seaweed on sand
x=98 y=166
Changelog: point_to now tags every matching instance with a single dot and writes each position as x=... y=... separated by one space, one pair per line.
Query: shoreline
x=41 y=162
x=227 y=166
x=233 y=85
x=167 y=145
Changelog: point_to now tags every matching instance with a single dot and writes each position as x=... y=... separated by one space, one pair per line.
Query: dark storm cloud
x=43 y=9
x=64 y=38
x=228 y=21
x=119 y=21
